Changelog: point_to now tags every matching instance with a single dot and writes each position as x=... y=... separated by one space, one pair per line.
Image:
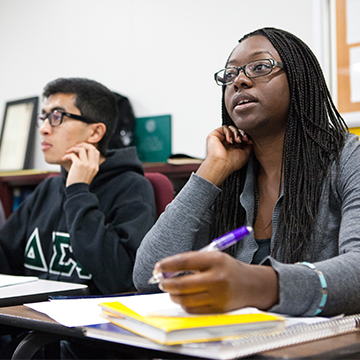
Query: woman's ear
x=98 y=131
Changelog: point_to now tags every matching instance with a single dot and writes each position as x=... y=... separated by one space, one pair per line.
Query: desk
x=38 y=290
x=33 y=291
x=339 y=347
x=48 y=331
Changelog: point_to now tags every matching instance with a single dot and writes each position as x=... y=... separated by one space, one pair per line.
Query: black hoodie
x=83 y=234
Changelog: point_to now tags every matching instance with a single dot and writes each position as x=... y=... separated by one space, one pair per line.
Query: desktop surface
x=38 y=290
x=338 y=347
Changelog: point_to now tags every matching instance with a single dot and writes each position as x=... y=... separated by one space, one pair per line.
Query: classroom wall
x=161 y=54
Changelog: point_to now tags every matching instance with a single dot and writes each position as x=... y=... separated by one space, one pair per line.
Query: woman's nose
x=242 y=80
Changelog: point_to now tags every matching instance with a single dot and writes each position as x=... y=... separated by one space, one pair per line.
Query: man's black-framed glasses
x=252 y=70
x=56 y=118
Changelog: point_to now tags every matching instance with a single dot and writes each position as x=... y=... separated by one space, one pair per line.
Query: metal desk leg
x=33 y=342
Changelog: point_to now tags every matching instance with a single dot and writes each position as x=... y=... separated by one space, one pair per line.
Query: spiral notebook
x=251 y=344
x=245 y=345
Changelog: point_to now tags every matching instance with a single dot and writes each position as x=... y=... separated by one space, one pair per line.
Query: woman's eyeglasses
x=252 y=70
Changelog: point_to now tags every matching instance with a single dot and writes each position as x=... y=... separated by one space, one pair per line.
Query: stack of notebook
x=157 y=318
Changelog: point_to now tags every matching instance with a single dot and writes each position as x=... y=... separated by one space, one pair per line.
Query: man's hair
x=314 y=138
x=95 y=102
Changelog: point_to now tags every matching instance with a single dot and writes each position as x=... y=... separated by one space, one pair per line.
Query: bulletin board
x=348 y=55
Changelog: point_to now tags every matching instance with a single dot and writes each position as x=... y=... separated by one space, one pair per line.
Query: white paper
x=73 y=312
x=291 y=321
x=352 y=119
x=156 y=305
x=355 y=73
x=352 y=22
x=86 y=311
x=161 y=305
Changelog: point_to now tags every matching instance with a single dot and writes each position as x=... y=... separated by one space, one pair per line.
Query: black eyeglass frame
x=45 y=116
x=274 y=63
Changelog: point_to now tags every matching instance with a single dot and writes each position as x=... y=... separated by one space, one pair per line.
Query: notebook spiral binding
x=253 y=343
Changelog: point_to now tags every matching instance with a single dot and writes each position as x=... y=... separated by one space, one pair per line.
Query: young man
x=85 y=225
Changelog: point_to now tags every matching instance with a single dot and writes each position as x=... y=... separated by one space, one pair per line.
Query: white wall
x=160 y=53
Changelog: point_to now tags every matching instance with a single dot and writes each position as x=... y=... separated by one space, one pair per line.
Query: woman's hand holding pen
x=219 y=283
x=228 y=149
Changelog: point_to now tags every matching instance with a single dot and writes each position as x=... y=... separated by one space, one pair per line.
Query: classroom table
x=47 y=331
x=38 y=290
x=33 y=291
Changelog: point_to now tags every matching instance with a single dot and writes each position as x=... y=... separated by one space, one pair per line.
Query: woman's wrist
x=261 y=285
x=268 y=287
x=214 y=171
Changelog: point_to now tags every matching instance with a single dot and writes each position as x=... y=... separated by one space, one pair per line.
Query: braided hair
x=314 y=137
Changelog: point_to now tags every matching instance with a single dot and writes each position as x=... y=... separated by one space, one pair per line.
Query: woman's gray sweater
x=184 y=226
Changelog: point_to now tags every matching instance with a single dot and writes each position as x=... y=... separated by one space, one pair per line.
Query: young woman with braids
x=284 y=163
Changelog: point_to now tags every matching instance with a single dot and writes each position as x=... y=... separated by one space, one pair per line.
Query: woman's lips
x=244 y=105
x=243 y=101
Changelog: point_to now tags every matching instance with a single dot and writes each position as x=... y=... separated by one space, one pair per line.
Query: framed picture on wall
x=17 y=135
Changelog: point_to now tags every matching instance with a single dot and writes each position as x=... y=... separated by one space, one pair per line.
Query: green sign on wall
x=152 y=138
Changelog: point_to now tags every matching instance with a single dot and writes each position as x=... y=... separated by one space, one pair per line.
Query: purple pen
x=218 y=244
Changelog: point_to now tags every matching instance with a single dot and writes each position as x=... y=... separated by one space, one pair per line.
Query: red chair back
x=163 y=190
